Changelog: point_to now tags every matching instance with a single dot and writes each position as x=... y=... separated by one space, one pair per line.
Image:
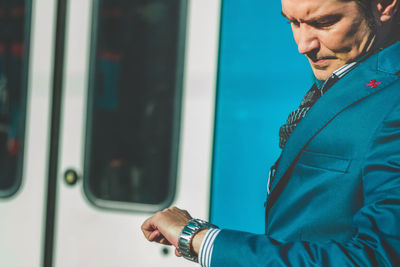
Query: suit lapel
x=349 y=90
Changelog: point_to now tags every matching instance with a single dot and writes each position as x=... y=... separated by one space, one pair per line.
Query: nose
x=307 y=40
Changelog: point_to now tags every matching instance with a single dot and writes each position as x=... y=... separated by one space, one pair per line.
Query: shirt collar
x=340 y=73
x=336 y=75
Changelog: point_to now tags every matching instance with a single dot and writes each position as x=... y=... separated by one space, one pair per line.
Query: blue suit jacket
x=335 y=199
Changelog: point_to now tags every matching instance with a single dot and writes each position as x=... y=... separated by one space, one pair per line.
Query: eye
x=325 y=22
x=322 y=24
x=295 y=23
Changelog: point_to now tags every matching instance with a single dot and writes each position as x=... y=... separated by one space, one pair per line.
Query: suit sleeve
x=376 y=239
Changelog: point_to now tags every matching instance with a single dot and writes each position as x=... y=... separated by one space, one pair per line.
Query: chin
x=322 y=75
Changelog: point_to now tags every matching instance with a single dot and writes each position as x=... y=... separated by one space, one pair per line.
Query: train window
x=134 y=103
x=14 y=24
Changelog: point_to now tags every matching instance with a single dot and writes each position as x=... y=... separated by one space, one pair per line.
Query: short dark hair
x=366 y=8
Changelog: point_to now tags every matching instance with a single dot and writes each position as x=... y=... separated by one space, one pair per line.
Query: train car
x=111 y=110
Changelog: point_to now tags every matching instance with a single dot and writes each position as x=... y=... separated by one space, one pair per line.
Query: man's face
x=330 y=33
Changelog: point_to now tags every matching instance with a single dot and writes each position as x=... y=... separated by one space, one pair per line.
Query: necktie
x=296 y=116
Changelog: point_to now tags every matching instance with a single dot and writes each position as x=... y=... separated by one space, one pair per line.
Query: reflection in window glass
x=13 y=43
x=135 y=101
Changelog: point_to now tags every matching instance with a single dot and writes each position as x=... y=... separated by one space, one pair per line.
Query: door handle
x=71 y=177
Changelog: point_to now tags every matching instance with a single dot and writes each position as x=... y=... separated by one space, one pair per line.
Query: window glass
x=13 y=62
x=134 y=101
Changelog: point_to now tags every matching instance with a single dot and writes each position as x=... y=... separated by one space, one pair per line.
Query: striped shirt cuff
x=207 y=246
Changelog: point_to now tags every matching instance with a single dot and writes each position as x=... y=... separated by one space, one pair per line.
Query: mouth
x=321 y=62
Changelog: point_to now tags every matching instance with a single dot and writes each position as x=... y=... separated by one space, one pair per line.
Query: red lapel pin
x=373 y=83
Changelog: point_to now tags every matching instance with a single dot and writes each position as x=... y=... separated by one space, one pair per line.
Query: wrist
x=198 y=240
x=188 y=244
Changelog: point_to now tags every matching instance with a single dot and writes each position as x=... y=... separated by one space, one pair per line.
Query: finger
x=162 y=240
x=148 y=228
x=177 y=253
x=154 y=235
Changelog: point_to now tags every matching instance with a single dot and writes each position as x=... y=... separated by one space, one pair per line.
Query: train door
x=26 y=36
x=136 y=126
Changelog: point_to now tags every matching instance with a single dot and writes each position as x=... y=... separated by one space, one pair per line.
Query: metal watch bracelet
x=186 y=237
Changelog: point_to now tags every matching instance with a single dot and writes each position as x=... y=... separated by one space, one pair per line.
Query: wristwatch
x=186 y=237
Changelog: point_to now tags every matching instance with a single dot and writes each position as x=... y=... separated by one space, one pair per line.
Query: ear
x=387 y=9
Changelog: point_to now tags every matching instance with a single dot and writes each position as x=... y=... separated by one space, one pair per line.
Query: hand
x=165 y=226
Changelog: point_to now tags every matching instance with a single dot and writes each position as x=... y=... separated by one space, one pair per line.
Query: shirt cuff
x=207 y=246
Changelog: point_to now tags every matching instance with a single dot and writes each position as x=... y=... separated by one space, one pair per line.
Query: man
x=334 y=193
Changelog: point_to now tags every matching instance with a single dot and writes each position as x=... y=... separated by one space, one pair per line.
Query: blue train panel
x=262 y=78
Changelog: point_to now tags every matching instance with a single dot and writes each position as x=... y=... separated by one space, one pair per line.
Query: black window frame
x=179 y=74
x=15 y=188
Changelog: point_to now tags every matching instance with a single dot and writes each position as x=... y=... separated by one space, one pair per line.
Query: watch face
x=204 y=224
x=199 y=222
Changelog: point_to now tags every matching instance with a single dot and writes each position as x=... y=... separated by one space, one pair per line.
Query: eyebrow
x=283 y=14
x=322 y=17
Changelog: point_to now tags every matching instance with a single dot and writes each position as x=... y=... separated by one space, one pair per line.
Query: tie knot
x=311 y=97
x=296 y=116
